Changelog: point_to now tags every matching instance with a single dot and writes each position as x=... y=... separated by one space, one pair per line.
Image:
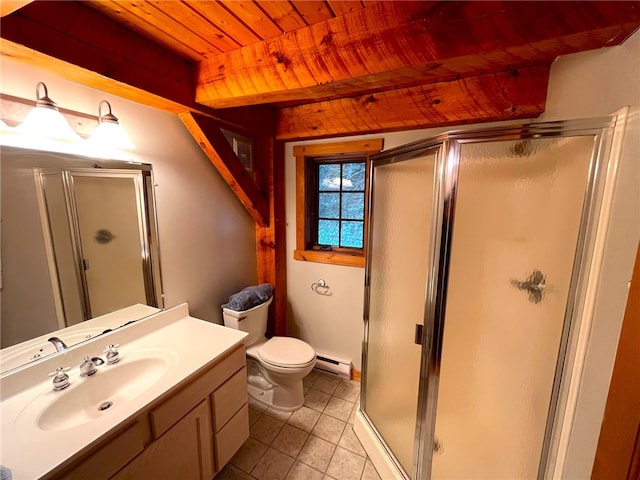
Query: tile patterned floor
x=314 y=443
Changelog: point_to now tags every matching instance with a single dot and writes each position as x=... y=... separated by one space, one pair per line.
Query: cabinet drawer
x=229 y=398
x=112 y=456
x=176 y=407
x=231 y=437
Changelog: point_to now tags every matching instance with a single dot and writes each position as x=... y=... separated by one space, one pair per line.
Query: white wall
x=207 y=239
x=587 y=84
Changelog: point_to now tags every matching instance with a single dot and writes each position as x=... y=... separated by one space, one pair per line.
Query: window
x=338 y=193
x=331 y=203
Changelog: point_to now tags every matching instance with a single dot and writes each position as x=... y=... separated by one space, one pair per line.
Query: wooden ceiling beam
x=494 y=97
x=390 y=44
x=206 y=132
x=79 y=44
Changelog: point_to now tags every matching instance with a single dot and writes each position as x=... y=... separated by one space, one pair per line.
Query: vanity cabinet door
x=184 y=452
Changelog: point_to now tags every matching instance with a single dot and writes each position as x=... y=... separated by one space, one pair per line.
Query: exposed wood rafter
x=206 y=132
x=396 y=44
x=500 y=96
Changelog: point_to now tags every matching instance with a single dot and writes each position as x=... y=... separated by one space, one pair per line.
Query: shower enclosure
x=478 y=249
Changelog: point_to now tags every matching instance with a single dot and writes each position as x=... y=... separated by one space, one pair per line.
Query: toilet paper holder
x=321 y=288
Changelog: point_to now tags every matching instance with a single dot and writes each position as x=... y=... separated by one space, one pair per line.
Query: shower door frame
x=443 y=216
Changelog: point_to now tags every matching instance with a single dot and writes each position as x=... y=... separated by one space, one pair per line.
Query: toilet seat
x=286 y=352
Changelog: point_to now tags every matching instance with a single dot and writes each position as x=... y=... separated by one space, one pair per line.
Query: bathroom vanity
x=173 y=407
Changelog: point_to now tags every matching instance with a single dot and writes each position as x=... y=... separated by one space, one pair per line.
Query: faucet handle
x=113 y=356
x=87 y=367
x=60 y=378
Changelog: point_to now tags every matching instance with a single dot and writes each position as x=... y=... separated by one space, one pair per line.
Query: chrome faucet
x=59 y=344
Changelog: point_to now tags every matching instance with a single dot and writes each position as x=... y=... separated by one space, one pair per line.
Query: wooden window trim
x=335 y=150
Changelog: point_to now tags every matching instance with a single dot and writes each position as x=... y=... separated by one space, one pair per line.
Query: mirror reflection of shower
x=99 y=240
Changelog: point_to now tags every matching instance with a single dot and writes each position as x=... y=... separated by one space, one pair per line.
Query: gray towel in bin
x=5 y=473
x=249 y=297
x=264 y=291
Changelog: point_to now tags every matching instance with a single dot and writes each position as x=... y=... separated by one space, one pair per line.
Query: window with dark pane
x=340 y=201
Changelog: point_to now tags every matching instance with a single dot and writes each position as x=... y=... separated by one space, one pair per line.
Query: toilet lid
x=286 y=352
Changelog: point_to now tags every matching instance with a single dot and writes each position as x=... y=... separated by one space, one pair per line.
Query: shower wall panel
x=518 y=210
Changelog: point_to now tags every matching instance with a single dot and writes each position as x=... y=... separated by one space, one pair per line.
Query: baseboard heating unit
x=339 y=367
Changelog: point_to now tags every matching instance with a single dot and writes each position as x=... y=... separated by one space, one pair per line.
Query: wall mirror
x=78 y=241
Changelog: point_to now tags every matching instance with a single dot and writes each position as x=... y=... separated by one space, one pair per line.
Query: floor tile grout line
x=309 y=434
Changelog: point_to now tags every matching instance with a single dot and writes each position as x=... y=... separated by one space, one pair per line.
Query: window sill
x=333 y=258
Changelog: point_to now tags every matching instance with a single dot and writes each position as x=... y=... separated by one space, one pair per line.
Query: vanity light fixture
x=109 y=132
x=45 y=120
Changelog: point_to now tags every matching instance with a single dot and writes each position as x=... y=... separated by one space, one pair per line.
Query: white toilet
x=276 y=366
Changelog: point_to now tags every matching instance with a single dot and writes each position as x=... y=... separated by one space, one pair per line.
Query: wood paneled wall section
x=618 y=453
x=270 y=239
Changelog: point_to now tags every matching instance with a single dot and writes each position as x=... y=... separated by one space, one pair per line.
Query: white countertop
x=31 y=452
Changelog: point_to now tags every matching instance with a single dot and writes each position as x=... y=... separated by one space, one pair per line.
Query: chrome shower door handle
x=534 y=285
x=418 y=334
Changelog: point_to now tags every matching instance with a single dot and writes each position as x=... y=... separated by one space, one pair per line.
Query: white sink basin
x=91 y=398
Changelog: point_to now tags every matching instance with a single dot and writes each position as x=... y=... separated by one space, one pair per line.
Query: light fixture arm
x=109 y=117
x=44 y=100
x=109 y=132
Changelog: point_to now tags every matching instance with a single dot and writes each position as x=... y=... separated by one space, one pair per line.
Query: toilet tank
x=252 y=321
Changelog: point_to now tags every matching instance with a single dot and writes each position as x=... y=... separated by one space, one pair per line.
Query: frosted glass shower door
x=517 y=222
x=399 y=241
x=111 y=238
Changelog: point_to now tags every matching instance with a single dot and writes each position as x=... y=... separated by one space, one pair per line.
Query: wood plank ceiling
x=331 y=67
